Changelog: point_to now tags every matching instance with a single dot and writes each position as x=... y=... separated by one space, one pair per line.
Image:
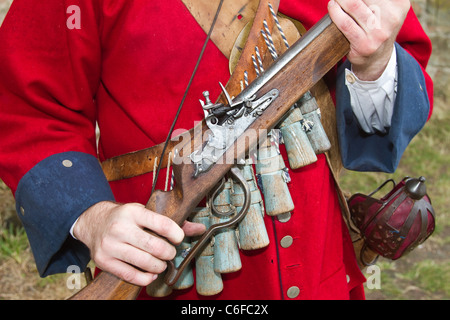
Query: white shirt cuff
x=71 y=229
x=373 y=101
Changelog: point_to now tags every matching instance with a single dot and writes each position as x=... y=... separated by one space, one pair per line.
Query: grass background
x=423 y=274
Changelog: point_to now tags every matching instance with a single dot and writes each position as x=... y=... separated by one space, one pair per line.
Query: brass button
x=350 y=78
x=293 y=292
x=67 y=163
x=284 y=217
x=22 y=211
x=286 y=242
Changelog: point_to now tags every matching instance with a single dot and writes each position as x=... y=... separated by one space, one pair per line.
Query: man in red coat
x=125 y=65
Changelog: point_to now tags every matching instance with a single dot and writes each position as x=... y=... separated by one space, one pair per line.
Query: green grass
x=13 y=242
x=432 y=276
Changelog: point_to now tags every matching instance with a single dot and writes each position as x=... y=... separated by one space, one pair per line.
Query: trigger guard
x=173 y=273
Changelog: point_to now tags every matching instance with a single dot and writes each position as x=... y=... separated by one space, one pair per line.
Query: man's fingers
x=128 y=273
x=352 y=31
x=121 y=244
x=159 y=224
x=138 y=258
x=360 y=11
x=192 y=229
x=151 y=243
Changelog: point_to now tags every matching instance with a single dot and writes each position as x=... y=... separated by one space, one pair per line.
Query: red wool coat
x=127 y=67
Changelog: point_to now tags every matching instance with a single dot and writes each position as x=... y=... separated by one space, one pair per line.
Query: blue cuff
x=49 y=198
x=382 y=152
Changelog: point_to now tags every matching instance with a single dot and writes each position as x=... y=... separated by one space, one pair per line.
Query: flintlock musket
x=258 y=108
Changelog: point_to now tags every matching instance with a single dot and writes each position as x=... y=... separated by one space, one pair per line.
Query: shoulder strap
x=234 y=16
x=230 y=23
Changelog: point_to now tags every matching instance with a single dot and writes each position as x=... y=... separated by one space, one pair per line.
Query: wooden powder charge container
x=298 y=147
x=226 y=251
x=252 y=230
x=272 y=176
x=208 y=282
x=312 y=125
x=186 y=279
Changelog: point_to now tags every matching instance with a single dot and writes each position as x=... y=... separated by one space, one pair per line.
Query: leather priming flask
x=398 y=222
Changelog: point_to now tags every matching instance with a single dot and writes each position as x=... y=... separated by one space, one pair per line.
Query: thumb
x=193 y=229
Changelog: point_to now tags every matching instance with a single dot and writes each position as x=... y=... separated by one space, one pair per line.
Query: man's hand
x=115 y=235
x=371 y=26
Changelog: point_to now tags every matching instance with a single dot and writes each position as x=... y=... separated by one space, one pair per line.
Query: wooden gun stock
x=106 y=286
x=303 y=65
